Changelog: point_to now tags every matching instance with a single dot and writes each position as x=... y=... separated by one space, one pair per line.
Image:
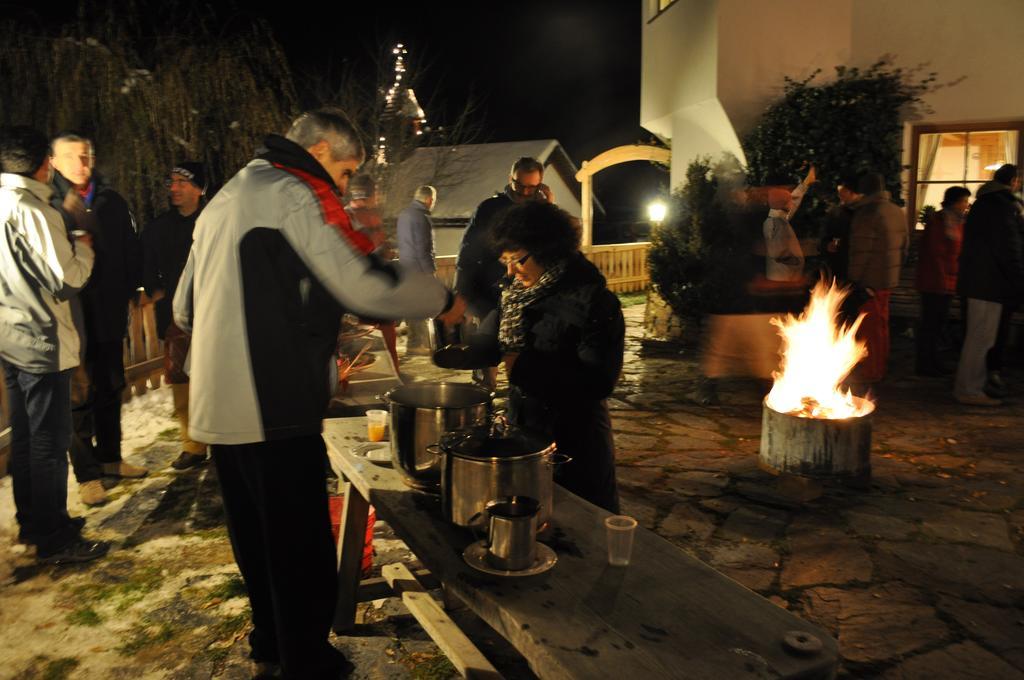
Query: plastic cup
x=620 y=539
x=376 y=424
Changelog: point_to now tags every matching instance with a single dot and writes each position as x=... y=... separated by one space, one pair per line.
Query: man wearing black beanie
x=165 y=244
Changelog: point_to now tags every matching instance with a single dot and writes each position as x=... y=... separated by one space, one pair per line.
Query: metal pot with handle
x=420 y=413
x=481 y=464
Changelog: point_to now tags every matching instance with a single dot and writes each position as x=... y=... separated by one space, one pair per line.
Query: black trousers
x=96 y=411
x=40 y=407
x=934 y=311
x=275 y=500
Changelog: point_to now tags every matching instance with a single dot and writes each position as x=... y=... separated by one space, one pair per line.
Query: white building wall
x=710 y=67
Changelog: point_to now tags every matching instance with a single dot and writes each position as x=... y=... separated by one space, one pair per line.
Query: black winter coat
x=117 y=272
x=166 y=242
x=572 y=359
x=991 y=260
x=477 y=270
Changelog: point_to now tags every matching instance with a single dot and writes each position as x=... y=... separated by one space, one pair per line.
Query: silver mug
x=512 y=532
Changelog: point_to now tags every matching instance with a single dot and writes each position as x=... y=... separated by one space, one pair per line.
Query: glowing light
x=817 y=355
x=656 y=212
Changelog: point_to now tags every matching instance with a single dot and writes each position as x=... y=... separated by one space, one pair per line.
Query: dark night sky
x=563 y=69
x=568 y=70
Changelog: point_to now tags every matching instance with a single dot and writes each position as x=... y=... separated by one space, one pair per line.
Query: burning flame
x=817 y=355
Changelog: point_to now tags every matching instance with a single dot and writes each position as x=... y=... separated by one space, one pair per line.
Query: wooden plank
x=463 y=654
x=152 y=341
x=142 y=370
x=378 y=587
x=351 y=539
x=666 y=615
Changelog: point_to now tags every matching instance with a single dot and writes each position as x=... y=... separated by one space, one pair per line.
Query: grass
x=231 y=587
x=435 y=668
x=141 y=581
x=84 y=616
x=631 y=299
x=214 y=534
x=231 y=626
x=147 y=637
x=171 y=434
x=57 y=669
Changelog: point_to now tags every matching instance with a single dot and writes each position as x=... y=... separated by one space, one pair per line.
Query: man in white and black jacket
x=274 y=265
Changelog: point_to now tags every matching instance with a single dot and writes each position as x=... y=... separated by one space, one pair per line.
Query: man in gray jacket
x=416 y=252
x=40 y=269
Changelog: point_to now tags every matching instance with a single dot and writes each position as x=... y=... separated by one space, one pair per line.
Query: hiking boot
x=78 y=550
x=978 y=400
x=188 y=460
x=92 y=493
x=123 y=469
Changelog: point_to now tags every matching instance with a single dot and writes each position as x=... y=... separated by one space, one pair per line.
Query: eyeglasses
x=517 y=262
x=523 y=188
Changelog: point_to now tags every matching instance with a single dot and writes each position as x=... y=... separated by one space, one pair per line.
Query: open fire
x=817 y=355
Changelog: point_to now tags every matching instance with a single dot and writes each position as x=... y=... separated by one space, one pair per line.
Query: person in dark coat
x=477 y=270
x=935 y=278
x=991 y=274
x=166 y=242
x=835 y=236
x=561 y=335
x=89 y=204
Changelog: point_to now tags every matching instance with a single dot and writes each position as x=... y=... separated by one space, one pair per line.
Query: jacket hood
x=581 y=271
x=12 y=181
x=991 y=187
x=278 y=149
x=876 y=197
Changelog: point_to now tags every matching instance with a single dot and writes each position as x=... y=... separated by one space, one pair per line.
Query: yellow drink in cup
x=376 y=425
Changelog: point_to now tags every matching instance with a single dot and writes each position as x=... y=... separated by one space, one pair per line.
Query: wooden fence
x=143 y=360
x=623 y=264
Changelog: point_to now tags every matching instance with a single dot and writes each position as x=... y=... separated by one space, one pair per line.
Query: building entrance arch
x=606 y=159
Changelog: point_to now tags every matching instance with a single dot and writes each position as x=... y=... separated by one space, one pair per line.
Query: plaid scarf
x=515 y=298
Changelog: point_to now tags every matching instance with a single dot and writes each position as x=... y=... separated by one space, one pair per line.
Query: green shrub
x=700 y=257
x=850 y=125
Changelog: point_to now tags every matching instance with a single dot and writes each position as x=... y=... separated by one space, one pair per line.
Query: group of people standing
x=71 y=263
x=249 y=291
x=974 y=252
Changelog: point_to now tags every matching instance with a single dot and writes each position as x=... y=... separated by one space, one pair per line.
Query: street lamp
x=656 y=211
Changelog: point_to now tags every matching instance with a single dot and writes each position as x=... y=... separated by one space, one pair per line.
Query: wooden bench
x=665 y=615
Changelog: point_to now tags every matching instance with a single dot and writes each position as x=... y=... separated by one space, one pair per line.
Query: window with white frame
x=959 y=155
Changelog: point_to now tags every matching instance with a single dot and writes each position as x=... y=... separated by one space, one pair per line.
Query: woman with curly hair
x=561 y=335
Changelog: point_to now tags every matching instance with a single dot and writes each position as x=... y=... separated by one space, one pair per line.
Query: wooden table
x=667 y=615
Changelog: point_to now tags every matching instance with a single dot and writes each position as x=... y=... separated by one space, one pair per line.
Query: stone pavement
x=919 y=575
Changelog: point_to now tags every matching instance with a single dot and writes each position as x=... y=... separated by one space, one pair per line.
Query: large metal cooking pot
x=479 y=465
x=420 y=414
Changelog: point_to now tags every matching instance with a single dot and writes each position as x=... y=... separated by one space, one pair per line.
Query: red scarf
x=330 y=207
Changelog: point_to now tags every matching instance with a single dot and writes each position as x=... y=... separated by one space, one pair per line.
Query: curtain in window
x=928 y=149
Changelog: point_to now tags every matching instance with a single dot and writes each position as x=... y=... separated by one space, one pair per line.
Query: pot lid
x=479 y=443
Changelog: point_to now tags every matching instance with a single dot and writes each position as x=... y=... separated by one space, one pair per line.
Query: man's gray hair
x=72 y=137
x=425 y=192
x=329 y=124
